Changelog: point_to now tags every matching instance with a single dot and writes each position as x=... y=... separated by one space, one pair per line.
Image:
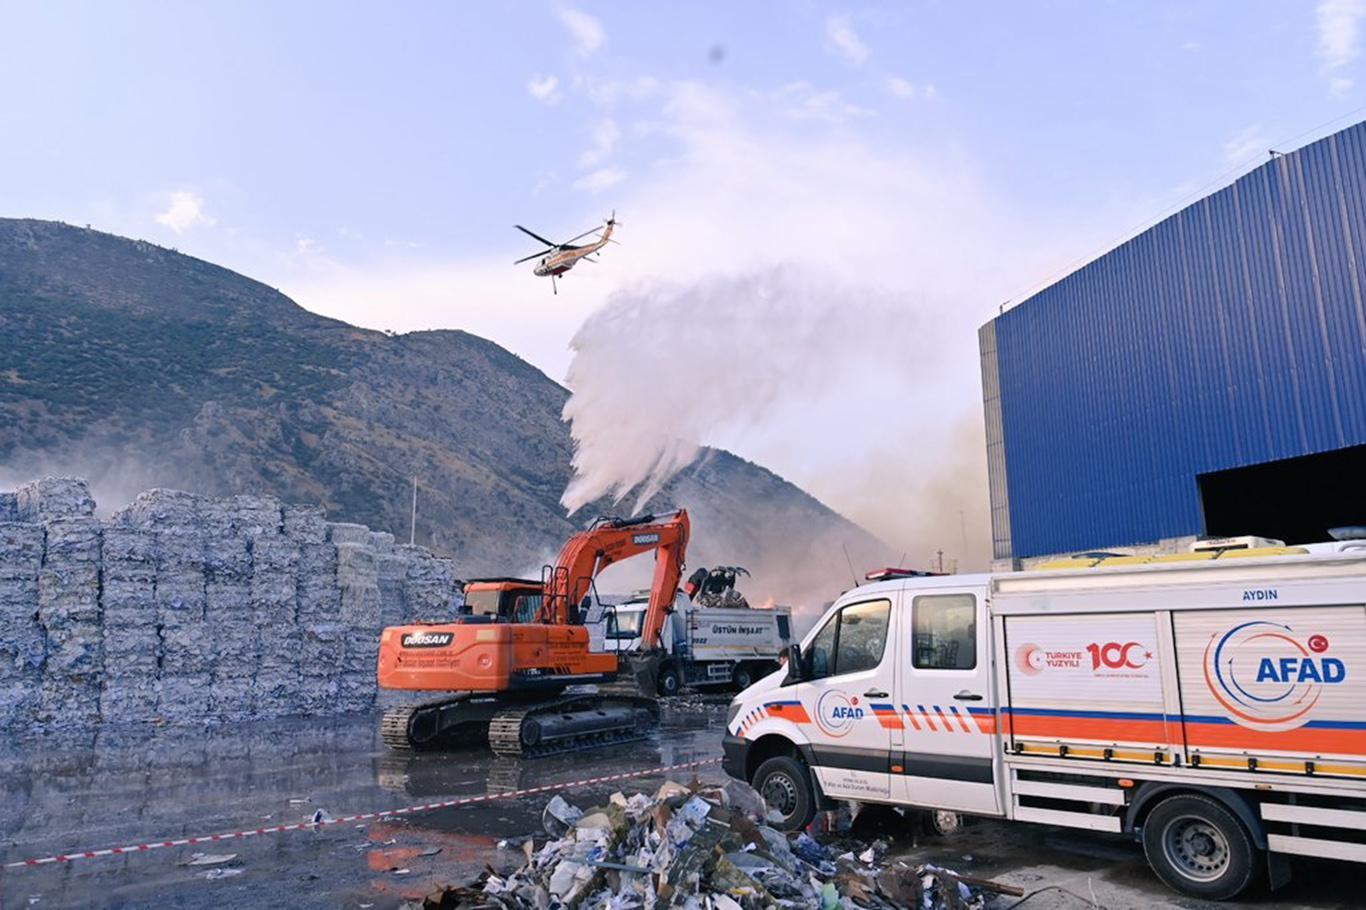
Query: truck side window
x=945 y=632
x=854 y=639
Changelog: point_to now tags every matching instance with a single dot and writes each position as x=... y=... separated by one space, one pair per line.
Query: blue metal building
x=1206 y=377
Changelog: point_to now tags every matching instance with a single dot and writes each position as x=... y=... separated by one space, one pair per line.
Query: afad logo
x=836 y=713
x=1265 y=678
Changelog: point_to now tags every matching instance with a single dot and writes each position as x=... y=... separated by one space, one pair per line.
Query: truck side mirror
x=796 y=668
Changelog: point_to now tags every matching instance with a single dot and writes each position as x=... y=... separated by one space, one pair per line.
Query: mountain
x=136 y=366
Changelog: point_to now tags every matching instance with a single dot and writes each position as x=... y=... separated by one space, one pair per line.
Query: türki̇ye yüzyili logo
x=1266 y=678
x=1100 y=657
x=836 y=713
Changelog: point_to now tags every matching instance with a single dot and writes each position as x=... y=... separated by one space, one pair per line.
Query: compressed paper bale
x=188 y=649
x=322 y=649
x=72 y=541
x=316 y=695
x=392 y=575
x=380 y=541
x=227 y=602
x=340 y=532
x=356 y=564
x=159 y=509
x=21 y=549
x=68 y=699
x=280 y=649
x=226 y=558
x=130 y=652
x=274 y=693
x=303 y=524
x=232 y=699
x=9 y=507
x=20 y=701
x=356 y=691
x=68 y=597
x=183 y=696
x=128 y=699
x=127 y=556
x=53 y=498
x=180 y=594
x=255 y=515
x=128 y=602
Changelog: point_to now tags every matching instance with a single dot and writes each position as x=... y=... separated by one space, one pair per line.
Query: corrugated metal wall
x=1230 y=334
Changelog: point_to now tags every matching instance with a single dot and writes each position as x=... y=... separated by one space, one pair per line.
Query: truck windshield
x=628 y=624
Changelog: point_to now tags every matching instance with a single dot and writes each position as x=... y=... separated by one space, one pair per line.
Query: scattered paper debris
x=209 y=859
x=700 y=847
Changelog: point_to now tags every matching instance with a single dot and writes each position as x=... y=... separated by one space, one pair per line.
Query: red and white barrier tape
x=407 y=810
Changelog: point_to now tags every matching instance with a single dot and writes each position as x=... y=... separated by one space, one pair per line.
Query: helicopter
x=559 y=258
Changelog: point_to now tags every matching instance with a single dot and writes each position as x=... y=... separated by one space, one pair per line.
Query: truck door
x=945 y=705
x=850 y=663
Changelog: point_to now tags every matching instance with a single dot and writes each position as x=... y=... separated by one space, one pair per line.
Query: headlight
x=733 y=711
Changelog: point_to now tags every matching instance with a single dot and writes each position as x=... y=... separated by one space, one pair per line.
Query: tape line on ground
x=387 y=813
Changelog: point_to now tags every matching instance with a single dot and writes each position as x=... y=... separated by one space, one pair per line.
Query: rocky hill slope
x=140 y=367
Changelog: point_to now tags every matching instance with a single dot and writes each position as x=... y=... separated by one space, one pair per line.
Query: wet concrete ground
x=119 y=787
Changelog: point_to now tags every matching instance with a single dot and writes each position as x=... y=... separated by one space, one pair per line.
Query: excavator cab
x=503 y=599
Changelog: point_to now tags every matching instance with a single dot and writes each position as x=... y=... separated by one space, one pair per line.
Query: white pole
x=412 y=528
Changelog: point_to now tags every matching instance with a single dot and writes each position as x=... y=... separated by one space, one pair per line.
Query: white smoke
x=662 y=369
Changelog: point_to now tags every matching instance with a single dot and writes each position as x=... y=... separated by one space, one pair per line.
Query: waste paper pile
x=698 y=848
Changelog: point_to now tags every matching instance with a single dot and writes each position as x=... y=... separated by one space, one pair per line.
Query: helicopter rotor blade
x=584 y=234
x=548 y=243
x=532 y=256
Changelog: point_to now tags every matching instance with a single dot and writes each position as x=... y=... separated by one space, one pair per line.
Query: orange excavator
x=507 y=664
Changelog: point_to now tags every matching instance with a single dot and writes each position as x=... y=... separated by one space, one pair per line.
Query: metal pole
x=412 y=528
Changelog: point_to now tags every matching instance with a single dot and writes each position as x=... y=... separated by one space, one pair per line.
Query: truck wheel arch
x=1150 y=794
x=773 y=744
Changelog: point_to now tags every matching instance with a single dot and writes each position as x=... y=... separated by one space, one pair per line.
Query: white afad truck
x=705 y=646
x=1211 y=704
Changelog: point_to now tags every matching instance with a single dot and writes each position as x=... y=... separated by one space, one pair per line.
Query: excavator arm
x=611 y=540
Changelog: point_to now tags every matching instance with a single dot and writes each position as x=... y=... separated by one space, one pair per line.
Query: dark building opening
x=1294 y=499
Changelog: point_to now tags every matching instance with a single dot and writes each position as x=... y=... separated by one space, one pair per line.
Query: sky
x=882 y=178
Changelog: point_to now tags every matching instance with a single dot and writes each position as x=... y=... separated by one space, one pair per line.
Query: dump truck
x=1210 y=704
x=703 y=646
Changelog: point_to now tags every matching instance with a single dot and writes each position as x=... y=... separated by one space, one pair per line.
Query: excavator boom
x=611 y=540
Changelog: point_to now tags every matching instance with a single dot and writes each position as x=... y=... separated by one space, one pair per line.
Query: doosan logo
x=427 y=639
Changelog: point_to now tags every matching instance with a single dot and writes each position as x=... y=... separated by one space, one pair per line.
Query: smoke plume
x=661 y=370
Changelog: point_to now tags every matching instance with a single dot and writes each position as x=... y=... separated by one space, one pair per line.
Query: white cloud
x=1250 y=142
x=606 y=93
x=544 y=89
x=600 y=179
x=587 y=32
x=900 y=87
x=605 y=136
x=844 y=40
x=184 y=211
x=305 y=246
x=1339 y=27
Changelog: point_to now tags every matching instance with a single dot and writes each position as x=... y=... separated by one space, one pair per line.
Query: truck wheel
x=1199 y=848
x=743 y=677
x=785 y=785
x=669 y=682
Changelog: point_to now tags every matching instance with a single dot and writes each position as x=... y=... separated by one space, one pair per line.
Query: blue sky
x=938 y=157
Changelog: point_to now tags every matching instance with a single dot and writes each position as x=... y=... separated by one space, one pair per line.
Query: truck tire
x=1198 y=847
x=743 y=677
x=785 y=784
x=669 y=682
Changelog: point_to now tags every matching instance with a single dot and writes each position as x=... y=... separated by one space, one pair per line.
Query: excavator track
x=459 y=720
x=572 y=723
